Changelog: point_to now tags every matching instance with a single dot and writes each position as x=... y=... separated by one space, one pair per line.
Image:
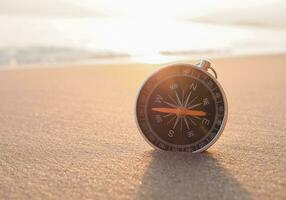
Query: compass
x=182 y=107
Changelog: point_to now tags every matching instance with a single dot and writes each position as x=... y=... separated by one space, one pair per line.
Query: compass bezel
x=225 y=115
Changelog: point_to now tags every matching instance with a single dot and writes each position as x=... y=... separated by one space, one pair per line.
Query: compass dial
x=181 y=108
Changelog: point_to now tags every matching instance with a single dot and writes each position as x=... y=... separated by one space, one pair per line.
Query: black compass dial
x=180 y=108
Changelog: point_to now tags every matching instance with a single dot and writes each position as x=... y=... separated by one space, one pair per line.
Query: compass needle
x=195 y=113
x=180 y=111
x=165 y=110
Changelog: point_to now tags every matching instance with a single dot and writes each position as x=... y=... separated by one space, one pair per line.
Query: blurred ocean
x=26 y=40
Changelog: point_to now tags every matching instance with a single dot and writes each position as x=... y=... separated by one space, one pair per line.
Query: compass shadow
x=188 y=176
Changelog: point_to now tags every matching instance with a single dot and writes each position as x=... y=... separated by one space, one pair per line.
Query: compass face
x=181 y=108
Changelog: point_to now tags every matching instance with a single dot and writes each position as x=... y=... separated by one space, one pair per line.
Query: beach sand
x=70 y=133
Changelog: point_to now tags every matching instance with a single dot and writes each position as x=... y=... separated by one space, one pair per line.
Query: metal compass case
x=181 y=107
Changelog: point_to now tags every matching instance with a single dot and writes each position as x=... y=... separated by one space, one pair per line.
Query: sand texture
x=70 y=133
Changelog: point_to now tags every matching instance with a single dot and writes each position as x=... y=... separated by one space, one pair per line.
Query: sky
x=126 y=8
x=164 y=8
x=146 y=28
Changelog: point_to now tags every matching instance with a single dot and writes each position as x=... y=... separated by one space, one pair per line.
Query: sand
x=69 y=133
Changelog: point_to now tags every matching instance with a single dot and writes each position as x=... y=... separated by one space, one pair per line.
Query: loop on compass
x=205 y=65
x=213 y=71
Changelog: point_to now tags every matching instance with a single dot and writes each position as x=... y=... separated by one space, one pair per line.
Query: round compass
x=181 y=107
